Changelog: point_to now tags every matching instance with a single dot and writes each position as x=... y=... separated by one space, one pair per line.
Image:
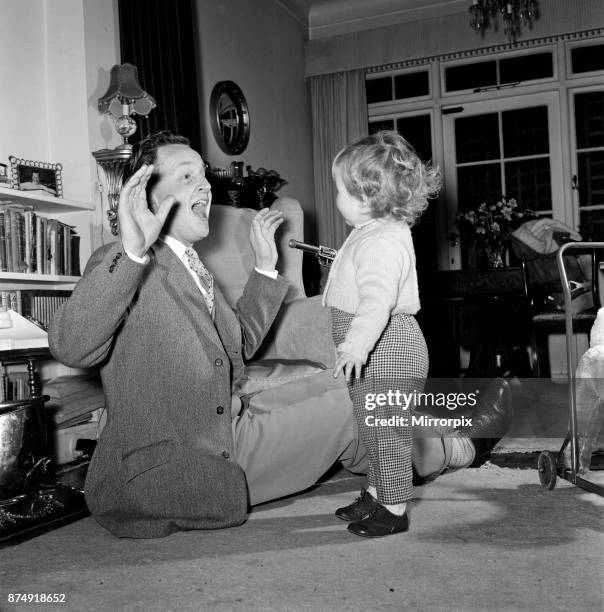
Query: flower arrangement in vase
x=488 y=228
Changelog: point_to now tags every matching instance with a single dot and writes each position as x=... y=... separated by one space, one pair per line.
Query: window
x=379 y=90
x=504 y=147
x=496 y=126
x=471 y=76
x=411 y=85
x=416 y=128
x=589 y=174
x=504 y=153
x=532 y=66
x=384 y=124
x=526 y=68
x=400 y=86
x=587 y=58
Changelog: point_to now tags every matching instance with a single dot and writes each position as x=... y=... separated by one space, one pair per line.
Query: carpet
x=487 y=538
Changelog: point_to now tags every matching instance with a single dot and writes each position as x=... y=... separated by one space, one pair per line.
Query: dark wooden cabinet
x=484 y=311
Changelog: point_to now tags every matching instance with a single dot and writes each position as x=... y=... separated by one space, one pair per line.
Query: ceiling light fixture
x=483 y=14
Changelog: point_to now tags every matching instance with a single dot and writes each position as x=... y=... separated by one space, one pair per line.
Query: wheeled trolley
x=552 y=465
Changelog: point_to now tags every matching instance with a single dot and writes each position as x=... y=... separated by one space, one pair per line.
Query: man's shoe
x=361 y=507
x=491 y=420
x=381 y=522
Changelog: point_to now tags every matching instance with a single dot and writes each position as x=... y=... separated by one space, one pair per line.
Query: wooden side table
x=477 y=310
x=27 y=356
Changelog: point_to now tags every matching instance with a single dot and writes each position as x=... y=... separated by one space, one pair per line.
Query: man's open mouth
x=200 y=206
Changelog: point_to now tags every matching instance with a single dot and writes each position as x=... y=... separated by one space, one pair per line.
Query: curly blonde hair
x=385 y=171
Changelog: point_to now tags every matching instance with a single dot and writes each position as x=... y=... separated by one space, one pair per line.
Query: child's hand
x=347 y=362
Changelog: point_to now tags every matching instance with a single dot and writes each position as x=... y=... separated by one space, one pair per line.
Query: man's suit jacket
x=165 y=460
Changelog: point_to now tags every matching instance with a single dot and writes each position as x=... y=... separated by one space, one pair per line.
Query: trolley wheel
x=547 y=470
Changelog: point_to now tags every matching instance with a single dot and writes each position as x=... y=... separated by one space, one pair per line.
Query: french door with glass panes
x=506 y=147
x=587 y=138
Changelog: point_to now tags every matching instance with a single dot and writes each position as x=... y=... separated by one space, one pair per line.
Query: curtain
x=159 y=38
x=339 y=115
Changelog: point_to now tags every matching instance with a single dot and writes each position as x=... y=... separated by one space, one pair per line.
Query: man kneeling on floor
x=178 y=451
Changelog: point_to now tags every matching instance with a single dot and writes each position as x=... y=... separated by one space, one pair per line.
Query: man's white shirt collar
x=176 y=245
x=179 y=250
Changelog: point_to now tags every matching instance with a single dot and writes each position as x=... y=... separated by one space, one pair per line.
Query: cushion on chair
x=302 y=330
x=262 y=375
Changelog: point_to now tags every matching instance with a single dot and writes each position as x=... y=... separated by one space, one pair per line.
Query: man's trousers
x=290 y=435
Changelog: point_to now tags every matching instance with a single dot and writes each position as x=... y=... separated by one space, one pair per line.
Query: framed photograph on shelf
x=27 y=175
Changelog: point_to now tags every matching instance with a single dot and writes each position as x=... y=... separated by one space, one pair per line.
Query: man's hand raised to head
x=139 y=226
x=262 y=237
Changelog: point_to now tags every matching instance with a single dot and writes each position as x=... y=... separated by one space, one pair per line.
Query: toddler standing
x=382 y=188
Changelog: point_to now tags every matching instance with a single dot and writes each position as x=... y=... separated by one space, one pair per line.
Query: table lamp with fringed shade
x=123 y=98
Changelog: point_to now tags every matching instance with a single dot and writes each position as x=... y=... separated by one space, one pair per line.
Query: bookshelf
x=21 y=280
x=69 y=212
x=43 y=203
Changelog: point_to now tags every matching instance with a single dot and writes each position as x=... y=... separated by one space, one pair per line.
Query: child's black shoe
x=361 y=507
x=381 y=522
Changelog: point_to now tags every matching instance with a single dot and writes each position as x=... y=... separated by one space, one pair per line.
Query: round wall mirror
x=229 y=117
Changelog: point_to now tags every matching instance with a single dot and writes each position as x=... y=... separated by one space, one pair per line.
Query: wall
x=22 y=75
x=438 y=35
x=101 y=40
x=57 y=54
x=260 y=46
x=333 y=17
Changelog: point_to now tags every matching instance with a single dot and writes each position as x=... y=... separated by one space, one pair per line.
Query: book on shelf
x=8 y=242
x=19 y=231
x=31 y=243
x=38 y=305
x=41 y=266
x=51 y=240
x=3 y=261
x=13 y=386
x=30 y=237
x=74 y=245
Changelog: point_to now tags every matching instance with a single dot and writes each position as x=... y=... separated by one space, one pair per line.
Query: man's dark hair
x=145 y=151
